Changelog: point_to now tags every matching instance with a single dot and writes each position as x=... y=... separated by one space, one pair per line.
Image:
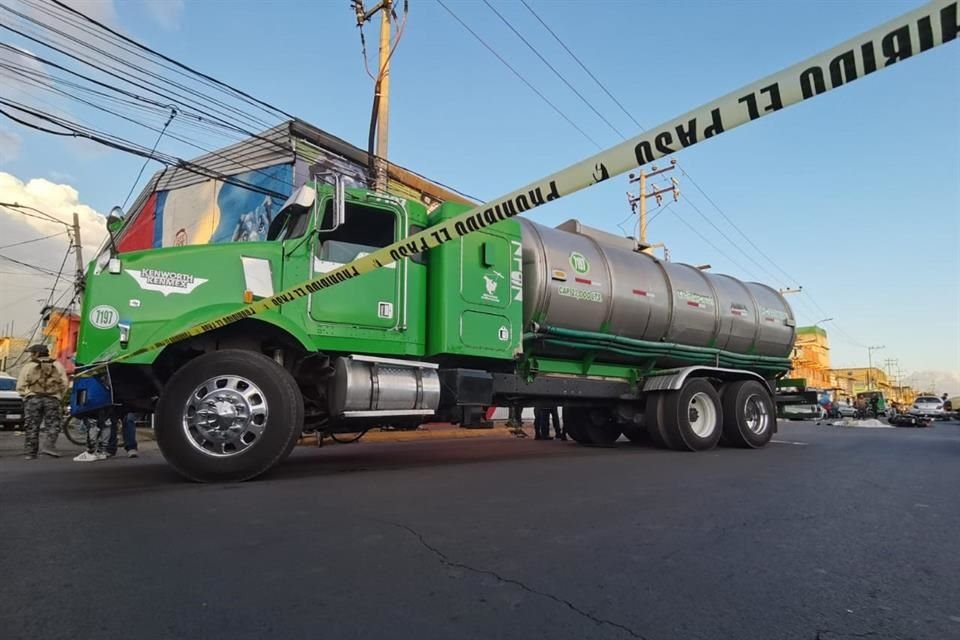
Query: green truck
x=513 y=314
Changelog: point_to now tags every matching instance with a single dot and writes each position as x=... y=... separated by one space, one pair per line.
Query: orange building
x=62 y=327
x=811 y=358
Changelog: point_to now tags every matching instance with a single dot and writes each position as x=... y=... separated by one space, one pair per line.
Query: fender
x=673 y=379
x=210 y=312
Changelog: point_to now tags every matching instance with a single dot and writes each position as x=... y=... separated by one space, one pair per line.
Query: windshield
x=8 y=384
x=927 y=400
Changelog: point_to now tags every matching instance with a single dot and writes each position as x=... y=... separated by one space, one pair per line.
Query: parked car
x=845 y=410
x=802 y=412
x=11 y=404
x=928 y=407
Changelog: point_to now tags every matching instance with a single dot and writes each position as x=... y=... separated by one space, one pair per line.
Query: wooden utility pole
x=381 y=89
x=383 y=112
x=78 y=252
x=639 y=202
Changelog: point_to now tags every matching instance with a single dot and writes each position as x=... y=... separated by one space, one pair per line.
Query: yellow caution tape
x=895 y=41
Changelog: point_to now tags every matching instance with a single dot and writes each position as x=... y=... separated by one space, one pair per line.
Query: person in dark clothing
x=554 y=414
x=541 y=423
x=128 y=426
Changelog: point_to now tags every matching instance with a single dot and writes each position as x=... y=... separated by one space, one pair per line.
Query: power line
x=715 y=247
x=729 y=220
x=518 y=74
x=582 y=66
x=234 y=90
x=725 y=236
x=17 y=244
x=42 y=270
x=76 y=131
x=47 y=304
x=552 y=68
x=738 y=229
x=173 y=114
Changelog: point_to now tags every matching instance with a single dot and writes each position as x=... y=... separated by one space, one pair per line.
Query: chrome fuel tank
x=581 y=279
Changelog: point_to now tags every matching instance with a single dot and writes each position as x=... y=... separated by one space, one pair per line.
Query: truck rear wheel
x=228 y=416
x=691 y=419
x=748 y=414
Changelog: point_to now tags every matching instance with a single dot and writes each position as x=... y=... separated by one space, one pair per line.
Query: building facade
x=232 y=194
x=811 y=358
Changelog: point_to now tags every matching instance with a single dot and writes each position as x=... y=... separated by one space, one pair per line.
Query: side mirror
x=114 y=220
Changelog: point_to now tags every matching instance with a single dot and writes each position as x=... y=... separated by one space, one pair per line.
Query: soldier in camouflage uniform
x=42 y=383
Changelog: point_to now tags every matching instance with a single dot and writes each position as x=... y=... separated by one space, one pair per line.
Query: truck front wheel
x=228 y=416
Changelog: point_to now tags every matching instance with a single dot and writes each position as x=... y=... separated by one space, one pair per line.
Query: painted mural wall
x=210 y=211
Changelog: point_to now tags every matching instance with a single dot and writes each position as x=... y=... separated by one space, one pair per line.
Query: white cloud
x=9 y=146
x=104 y=11
x=935 y=381
x=21 y=287
x=166 y=13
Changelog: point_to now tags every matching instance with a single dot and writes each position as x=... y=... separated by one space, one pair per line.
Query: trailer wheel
x=575 y=424
x=228 y=416
x=748 y=415
x=602 y=427
x=692 y=418
x=653 y=420
x=591 y=425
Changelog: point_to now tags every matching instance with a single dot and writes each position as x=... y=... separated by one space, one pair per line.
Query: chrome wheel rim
x=702 y=414
x=755 y=414
x=225 y=416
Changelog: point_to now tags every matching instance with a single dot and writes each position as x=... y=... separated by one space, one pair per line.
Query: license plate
x=13 y=416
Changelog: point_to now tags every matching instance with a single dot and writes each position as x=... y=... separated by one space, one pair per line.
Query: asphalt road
x=828 y=533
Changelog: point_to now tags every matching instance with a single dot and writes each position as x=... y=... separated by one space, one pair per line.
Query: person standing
x=42 y=383
x=99 y=430
x=128 y=428
x=541 y=423
x=554 y=414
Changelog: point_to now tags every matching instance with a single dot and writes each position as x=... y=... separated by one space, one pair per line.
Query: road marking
x=802 y=444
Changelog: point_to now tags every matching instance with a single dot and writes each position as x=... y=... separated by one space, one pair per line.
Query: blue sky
x=854 y=194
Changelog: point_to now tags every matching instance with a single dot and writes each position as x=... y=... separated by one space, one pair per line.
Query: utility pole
x=78 y=252
x=381 y=95
x=870 y=351
x=889 y=364
x=638 y=203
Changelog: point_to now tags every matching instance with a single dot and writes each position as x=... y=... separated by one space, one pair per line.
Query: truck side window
x=365 y=230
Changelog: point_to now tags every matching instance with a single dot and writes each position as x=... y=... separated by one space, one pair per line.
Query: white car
x=11 y=404
x=927 y=406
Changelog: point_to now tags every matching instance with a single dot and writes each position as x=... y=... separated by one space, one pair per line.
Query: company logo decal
x=166 y=282
x=579 y=263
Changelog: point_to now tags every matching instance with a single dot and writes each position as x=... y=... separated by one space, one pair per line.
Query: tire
x=248 y=384
x=691 y=418
x=602 y=427
x=654 y=421
x=748 y=415
x=74 y=431
x=591 y=425
x=574 y=422
x=636 y=434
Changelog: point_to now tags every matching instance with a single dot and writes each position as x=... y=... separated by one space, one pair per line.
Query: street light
x=819 y=322
x=870 y=351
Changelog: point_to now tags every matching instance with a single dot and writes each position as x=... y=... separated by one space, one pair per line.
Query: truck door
x=369 y=300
